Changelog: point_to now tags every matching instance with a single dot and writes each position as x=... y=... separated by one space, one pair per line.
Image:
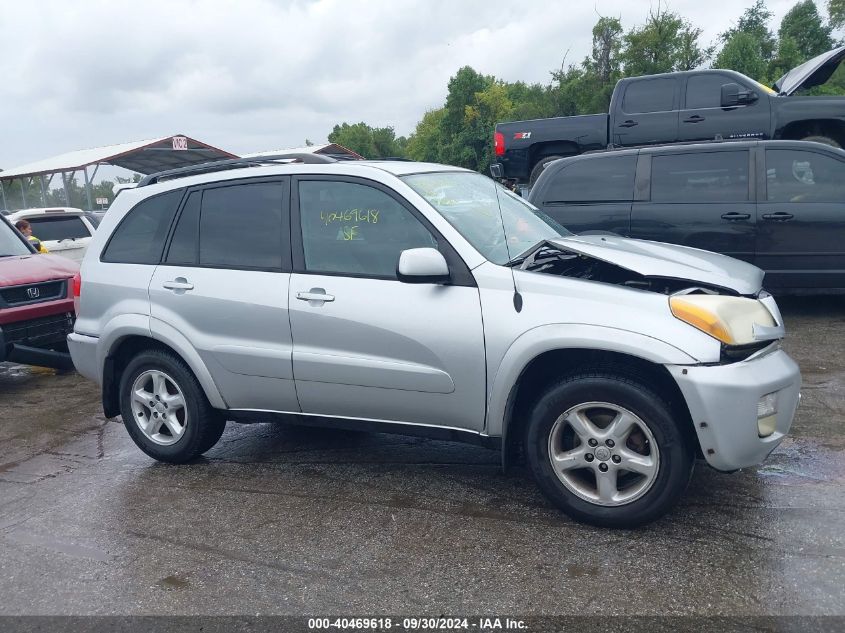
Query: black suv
x=777 y=204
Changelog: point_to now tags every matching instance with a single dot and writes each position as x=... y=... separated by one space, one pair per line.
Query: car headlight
x=728 y=319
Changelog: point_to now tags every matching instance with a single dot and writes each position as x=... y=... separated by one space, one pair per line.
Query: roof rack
x=233 y=163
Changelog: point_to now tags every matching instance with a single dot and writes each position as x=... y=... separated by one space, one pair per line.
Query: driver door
x=366 y=345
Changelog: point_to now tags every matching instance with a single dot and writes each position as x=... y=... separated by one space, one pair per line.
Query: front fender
x=562 y=336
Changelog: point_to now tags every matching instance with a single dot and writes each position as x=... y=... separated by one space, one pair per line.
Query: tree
x=665 y=43
x=836 y=13
x=804 y=25
x=755 y=22
x=425 y=143
x=604 y=61
x=742 y=53
x=368 y=141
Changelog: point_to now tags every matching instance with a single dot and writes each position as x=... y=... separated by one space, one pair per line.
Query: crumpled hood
x=28 y=269
x=658 y=259
x=811 y=73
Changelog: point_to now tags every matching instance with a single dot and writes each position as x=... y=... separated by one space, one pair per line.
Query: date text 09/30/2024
x=418 y=624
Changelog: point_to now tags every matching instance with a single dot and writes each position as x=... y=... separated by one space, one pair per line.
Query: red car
x=36 y=302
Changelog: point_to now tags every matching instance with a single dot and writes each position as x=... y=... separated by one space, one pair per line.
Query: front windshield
x=10 y=243
x=476 y=206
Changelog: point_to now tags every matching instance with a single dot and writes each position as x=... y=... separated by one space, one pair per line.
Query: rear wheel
x=827 y=140
x=607 y=451
x=165 y=409
x=539 y=167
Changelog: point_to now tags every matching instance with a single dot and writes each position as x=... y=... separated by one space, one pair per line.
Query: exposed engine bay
x=552 y=259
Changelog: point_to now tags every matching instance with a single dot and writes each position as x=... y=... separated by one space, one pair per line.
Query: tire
x=180 y=432
x=539 y=167
x=654 y=438
x=817 y=138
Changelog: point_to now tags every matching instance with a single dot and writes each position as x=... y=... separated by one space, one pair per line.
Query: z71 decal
x=521 y=135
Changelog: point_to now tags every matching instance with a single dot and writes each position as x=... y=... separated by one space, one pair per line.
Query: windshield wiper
x=541 y=250
x=516 y=261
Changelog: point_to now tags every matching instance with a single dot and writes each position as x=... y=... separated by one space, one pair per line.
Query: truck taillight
x=499 y=143
x=77 y=285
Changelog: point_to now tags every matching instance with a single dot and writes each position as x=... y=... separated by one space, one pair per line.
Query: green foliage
x=754 y=22
x=665 y=43
x=804 y=25
x=26 y=193
x=836 y=11
x=369 y=142
x=742 y=53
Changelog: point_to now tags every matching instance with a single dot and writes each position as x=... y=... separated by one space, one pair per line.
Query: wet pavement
x=289 y=520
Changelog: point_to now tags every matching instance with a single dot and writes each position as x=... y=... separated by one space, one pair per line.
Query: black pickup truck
x=698 y=105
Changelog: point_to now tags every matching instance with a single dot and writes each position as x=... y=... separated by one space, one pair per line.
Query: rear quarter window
x=140 y=236
x=58 y=227
x=599 y=179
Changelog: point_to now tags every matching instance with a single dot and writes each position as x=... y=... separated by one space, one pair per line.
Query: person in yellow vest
x=26 y=228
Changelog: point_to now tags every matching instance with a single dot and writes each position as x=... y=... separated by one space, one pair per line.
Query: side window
x=139 y=238
x=799 y=176
x=601 y=179
x=48 y=228
x=708 y=177
x=705 y=91
x=241 y=226
x=184 y=245
x=649 y=95
x=356 y=229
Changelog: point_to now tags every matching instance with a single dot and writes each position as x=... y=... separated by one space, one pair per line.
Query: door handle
x=780 y=216
x=180 y=283
x=733 y=215
x=628 y=123
x=695 y=118
x=315 y=296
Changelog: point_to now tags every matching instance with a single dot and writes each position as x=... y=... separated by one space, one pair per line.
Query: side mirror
x=496 y=170
x=422 y=266
x=733 y=95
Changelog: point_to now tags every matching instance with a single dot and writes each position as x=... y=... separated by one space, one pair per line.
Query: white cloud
x=255 y=74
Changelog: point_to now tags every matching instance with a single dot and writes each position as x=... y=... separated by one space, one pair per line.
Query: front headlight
x=728 y=319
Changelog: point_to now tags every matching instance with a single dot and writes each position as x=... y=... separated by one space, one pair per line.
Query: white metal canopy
x=144 y=157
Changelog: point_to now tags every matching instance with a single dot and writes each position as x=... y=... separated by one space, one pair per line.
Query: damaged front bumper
x=732 y=405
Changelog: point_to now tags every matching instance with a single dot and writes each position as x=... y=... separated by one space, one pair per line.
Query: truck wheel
x=165 y=409
x=607 y=451
x=816 y=138
x=539 y=167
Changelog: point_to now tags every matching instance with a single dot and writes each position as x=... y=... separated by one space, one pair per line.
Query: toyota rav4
x=426 y=299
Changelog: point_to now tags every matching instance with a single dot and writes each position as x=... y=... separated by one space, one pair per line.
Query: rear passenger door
x=802 y=219
x=648 y=113
x=223 y=286
x=699 y=199
x=589 y=194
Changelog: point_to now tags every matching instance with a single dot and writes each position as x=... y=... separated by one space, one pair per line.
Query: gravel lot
x=289 y=520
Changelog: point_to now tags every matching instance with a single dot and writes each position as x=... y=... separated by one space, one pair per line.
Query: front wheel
x=608 y=451
x=165 y=409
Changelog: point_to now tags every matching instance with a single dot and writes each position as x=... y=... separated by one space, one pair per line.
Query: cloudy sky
x=251 y=75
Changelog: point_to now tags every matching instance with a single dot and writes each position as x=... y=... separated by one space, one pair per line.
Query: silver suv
x=426 y=299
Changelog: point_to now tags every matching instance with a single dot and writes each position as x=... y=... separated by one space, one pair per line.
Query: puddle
x=173 y=581
x=800 y=461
